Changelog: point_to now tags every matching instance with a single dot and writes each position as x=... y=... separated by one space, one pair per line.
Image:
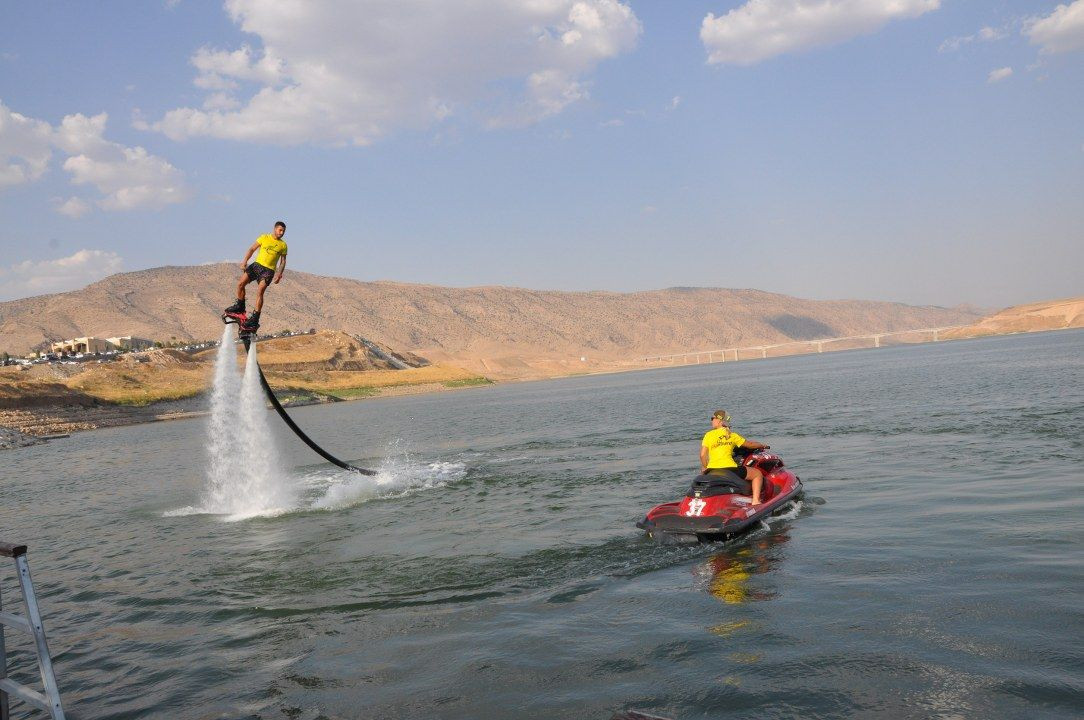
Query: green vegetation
x=293 y=397
x=143 y=398
x=352 y=393
x=467 y=382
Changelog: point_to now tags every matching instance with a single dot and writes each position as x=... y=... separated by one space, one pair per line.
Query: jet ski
x=715 y=509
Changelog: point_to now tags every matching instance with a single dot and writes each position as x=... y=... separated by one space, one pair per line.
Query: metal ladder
x=31 y=623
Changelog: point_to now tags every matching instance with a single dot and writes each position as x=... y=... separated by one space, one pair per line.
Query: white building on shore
x=99 y=345
x=127 y=342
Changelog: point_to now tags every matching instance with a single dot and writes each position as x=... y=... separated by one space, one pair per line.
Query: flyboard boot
x=250 y=324
x=234 y=313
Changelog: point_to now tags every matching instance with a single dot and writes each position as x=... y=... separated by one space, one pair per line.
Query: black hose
x=298 y=431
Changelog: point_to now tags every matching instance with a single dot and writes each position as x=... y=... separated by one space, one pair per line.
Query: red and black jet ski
x=715 y=509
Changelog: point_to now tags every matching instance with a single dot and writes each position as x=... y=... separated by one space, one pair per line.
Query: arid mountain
x=494 y=330
x=329 y=350
x=1049 y=315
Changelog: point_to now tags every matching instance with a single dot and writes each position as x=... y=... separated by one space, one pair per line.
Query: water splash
x=793 y=511
x=222 y=446
x=395 y=477
x=244 y=477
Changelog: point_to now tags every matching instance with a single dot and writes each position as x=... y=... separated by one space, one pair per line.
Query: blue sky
x=920 y=151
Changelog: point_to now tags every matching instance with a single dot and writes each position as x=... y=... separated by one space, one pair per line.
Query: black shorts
x=737 y=474
x=739 y=471
x=259 y=273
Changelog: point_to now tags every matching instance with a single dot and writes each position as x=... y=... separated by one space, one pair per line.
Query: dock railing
x=49 y=701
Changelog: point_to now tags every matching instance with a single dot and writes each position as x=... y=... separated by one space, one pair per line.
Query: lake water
x=935 y=568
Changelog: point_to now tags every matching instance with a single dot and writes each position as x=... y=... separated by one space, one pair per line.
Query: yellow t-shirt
x=271 y=248
x=720 y=444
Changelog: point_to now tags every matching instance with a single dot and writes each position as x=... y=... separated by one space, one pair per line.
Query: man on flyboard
x=268 y=267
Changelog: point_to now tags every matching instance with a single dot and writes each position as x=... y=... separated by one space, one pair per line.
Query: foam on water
x=790 y=513
x=186 y=510
x=394 y=477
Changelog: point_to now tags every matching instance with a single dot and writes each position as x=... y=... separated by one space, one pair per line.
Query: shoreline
x=39 y=423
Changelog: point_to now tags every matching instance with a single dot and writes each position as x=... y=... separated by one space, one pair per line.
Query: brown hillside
x=1049 y=315
x=324 y=350
x=489 y=329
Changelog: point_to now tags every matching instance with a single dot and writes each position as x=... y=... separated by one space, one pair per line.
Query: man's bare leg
x=259 y=294
x=253 y=320
x=241 y=285
x=238 y=306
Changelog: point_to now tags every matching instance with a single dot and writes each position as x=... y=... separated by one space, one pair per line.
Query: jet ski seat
x=726 y=484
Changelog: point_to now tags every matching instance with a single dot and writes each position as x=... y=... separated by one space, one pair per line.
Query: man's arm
x=254 y=248
x=703 y=458
x=281 y=268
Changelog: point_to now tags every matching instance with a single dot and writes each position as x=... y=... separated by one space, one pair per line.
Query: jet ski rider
x=717 y=455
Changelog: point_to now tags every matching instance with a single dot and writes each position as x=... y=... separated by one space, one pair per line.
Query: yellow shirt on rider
x=271 y=248
x=720 y=444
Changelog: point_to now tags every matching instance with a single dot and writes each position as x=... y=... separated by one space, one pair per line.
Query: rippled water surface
x=492 y=569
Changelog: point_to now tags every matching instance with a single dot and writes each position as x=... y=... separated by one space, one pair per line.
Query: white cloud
x=221 y=101
x=674 y=102
x=73 y=207
x=613 y=122
x=49 y=276
x=999 y=75
x=550 y=91
x=1060 y=31
x=220 y=70
x=762 y=29
x=986 y=34
x=128 y=177
x=333 y=73
x=24 y=148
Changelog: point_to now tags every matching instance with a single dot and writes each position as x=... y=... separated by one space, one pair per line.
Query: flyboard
x=247 y=335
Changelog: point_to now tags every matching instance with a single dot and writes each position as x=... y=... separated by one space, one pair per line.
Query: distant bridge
x=754 y=351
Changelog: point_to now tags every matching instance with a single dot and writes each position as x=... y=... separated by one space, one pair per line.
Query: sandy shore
x=23 y=427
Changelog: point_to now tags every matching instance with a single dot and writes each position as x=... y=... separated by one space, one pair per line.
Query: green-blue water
x=935 y=569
